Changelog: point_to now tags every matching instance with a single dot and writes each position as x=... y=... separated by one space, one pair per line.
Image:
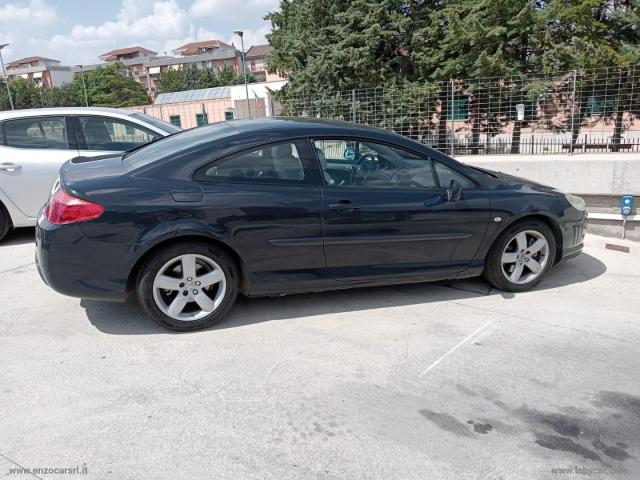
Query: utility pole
x=84 y=86
x=6 y=78
x=240 y=33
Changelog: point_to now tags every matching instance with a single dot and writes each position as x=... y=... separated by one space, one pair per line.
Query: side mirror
x=454 y=192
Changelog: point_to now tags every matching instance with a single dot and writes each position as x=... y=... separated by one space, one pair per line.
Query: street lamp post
x=240 y=33
x=6 y=78
x=84 y=86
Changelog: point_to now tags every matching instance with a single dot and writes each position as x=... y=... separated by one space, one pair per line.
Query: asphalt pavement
x=451 y=380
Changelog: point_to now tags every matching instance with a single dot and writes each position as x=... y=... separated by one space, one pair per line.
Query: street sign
x=626 y=204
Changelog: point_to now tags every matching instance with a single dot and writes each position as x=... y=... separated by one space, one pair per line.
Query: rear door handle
x=10 y=167
x=343 y=206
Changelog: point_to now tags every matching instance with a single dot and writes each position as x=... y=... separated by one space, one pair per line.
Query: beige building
x=43 y=71
x=205 y=55
x=134 y=57
x=257 y=64
x=193 y=108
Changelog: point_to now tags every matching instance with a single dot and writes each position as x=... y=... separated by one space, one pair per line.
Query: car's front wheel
x=521 y=256
x=188 y=286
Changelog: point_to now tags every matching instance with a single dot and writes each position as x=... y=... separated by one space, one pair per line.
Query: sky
x=78 y=31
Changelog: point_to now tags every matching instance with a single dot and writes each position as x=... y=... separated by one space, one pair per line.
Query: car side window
x=279 y=163
x=353 y=163
x=445 y=175
x=36 y=132
x=104 y=133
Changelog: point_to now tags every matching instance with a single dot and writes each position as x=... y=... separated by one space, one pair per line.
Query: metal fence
x=568 y=112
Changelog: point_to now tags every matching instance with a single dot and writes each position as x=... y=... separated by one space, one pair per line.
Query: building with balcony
x=257 y=65
x=205 y=55
x=43 y=71
x=133 y=57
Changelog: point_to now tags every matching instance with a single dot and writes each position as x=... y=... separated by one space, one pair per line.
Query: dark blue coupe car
x=290 y=205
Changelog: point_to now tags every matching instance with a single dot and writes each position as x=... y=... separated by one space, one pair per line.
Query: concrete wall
x=599 y=178
x=585 y=173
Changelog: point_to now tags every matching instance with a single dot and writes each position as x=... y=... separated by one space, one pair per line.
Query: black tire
x=493 y=271
x=159 y=260
x=5 y=222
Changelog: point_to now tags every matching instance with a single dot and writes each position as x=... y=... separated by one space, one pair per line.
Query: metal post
x=148 y=83
x=244 y=70
x=452 y=124
x=6 y=78
x=573 y=109
x=353 y=105
x=84 y=86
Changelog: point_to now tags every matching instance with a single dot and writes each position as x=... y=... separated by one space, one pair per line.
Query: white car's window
x=104 y=133
x=36 y=132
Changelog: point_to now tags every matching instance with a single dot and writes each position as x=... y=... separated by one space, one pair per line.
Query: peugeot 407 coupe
x=290 y=205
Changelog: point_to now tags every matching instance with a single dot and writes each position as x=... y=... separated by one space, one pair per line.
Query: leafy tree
x=66 y=95
x=239 y=80
x=113 y=86
x=170 y=81
x=585 y=36
x=192 y=77
x=24 y=94
x=206 y=79
x=350 y=44
x=225 y=76
x=191 y=73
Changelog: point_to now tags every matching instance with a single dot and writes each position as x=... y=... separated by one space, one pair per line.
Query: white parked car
x=35 y=143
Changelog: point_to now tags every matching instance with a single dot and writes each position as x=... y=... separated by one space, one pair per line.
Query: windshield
x=175 y=144
x=156 y=122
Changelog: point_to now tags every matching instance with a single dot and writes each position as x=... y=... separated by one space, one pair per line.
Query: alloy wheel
x=189 y=287
x=525 y=257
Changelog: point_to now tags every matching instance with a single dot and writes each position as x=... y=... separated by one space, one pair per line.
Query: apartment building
x=146 y=65
x=134 y=57
x=43 y=71
x=257 y=64
x=205 y=54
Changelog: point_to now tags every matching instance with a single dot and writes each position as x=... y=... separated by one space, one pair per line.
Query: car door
x=32 y=151
x=386 y=213
x=266 y=201
x=103 y=135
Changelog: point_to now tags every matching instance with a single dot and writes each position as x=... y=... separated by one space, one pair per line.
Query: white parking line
x=476 y=332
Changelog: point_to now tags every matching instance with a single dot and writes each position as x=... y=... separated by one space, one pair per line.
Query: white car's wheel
x=5 y=222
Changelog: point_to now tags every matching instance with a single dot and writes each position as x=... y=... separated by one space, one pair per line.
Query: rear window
x=36 y=132
x=171 y=146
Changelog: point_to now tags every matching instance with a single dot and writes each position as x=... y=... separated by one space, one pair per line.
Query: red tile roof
x=259 y=51
x=26 y=60
x=193 y=47
x=114 y=54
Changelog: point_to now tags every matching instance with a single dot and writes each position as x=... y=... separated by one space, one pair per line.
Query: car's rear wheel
x=5 y=222
x=188 y=286
x=521 y=256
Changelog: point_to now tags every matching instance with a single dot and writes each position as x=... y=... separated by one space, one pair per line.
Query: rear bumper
x=74 y=265
x=573 y=237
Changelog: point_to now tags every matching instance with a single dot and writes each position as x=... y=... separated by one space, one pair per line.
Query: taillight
x=64 y=208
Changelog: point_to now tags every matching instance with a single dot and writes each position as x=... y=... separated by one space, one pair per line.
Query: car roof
x=308 y=124
x=35 y=112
